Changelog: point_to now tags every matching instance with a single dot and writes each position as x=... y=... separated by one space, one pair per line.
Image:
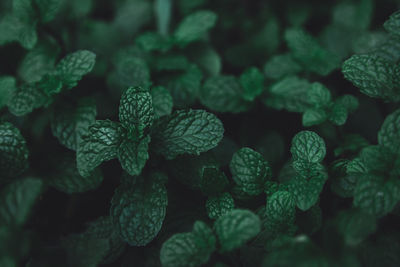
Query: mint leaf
x=74 y=66
x=7 y=88
x=235 y=228
x=222 y=94
x=136 y=111
x=319 y=95
x=252 y=82
x=162 y=101
x=13 y=151
x=308 y=146
x=189 y=249
x=216 y=206
x=392 y=25
x=279 y=66
x=281 y=208
x=133 y=155
x=289 y=93
x=374 y=76
x=307 y=51
x=102 y=228
x=25 y=99
x=48 y=9
x=138 y=211
x=17 y=200
x=194 y=26
x=70 y=123
x=66 y=177
x=250 y=170
x=376 y=196
x=313 y=116
x=99 y=144
x=338 y=114
x=306 y=193
x=389 y=134
x=186 y=132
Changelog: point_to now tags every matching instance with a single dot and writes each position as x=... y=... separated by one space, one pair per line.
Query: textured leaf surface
x=13 y=151
x=133 y=155
x=138 y=211
x=374 y=76
x=281 y=208
x=222 y=94
x=252 y=82
x=250 y=170
x=235 y=228
x=162 y=101
x=308 y=146
x=319 y=95
x=100 y=144
x=389 y=134
x=74 y=66
x=306 y=193
x=217 y=206
x=136 y=110
x=17 y=200
x=187 y=132
x=25 y=99
x=7 y=88
x=376 y=196
x=392 y=25
x=70 y=123
x=189 y=249
x=290 y=93
x=194 y=26
x=66 y=177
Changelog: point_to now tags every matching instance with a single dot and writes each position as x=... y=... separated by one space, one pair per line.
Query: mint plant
x=199 y=133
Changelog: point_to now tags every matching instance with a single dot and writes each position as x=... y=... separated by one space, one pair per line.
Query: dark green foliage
x=173 y=133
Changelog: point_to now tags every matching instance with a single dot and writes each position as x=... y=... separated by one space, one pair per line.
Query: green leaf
x=25 y=99
x=48 y=9
x=319 y=95
x=14 y=28
x=250 y=170
x=7 y=88
x=222 y=94
x=185 y=88
x=194 y=26
x=374 y=76
x=133 y=155
x=281 y=208
x=313 y=116
x=279 y=66
x=102 y=228
x=338 y=114
x=235 y=228
x=17 y=200
x=74 y=66
x=306 y=193
x=163 y=10
x=67 y=179
x=162 y=101
x=252 y=82
x=136 y=111
x=308 y=146
x=207 y=59
x=71 y=122
x=138 y=211
x=355 y=226
x=389 y=134
x=38 y=62
x=216 y=206
x=392 y=25
x=348 y=101
x=186 y=132
x=151 y=41
x=189 y=249
x=290 y=94
x=13 y=151
x=310 y=53
x=99 y=144
x=376 y=196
